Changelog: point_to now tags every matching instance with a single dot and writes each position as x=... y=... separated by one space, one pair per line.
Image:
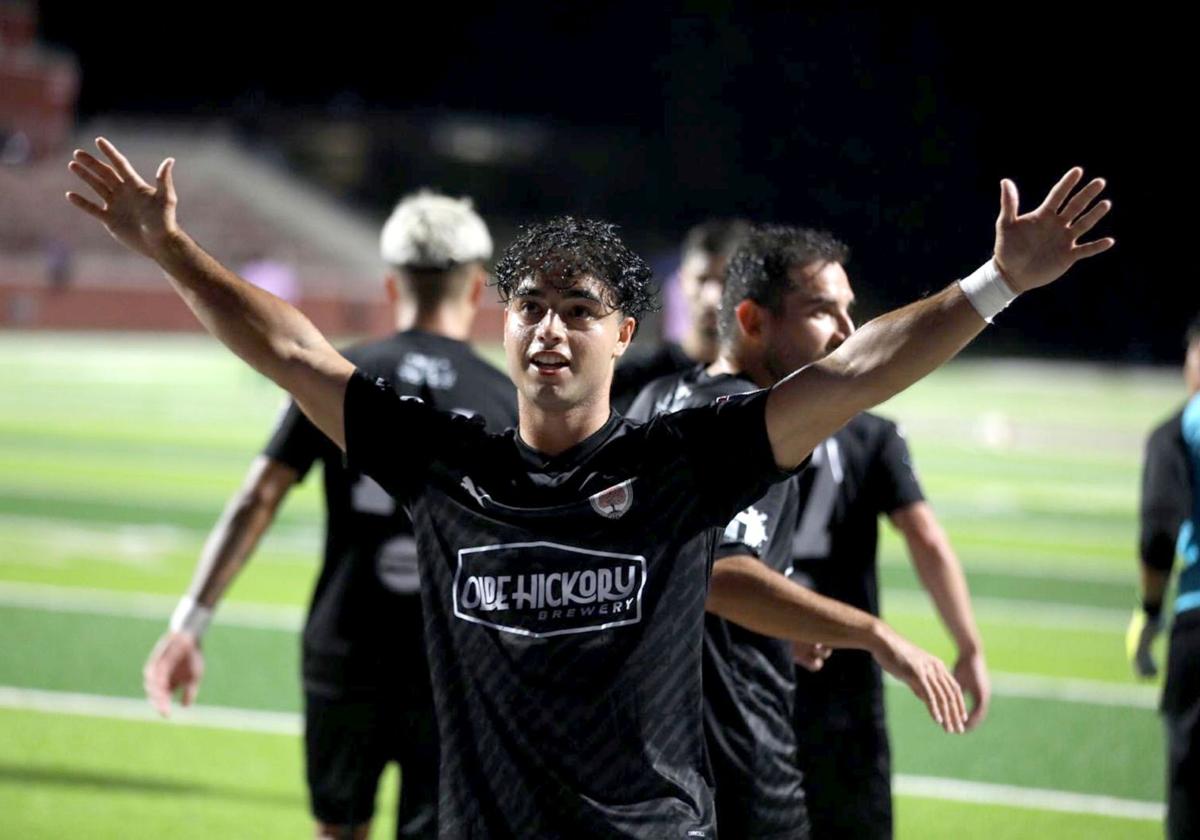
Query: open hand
x=928 y=678
x=175 y=663
x=1038 y=248
x=971 y=673
x=139 y=216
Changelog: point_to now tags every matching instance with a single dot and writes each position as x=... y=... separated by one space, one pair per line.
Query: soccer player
x=564 y=565
x=786 y=304
x=706 y=251
x=1170 y=522
x=367 y=695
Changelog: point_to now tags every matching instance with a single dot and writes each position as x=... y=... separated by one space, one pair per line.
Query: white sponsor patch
x=614 y=502
x=434 y=371
x=545 y=589
x=748 y=527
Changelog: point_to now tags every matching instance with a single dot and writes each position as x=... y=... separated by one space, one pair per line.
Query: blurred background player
x=792 y=281
x=1170 y=522
x=366 y=681
x=705 y=256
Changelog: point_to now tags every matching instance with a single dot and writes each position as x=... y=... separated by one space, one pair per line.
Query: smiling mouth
x=549 y=363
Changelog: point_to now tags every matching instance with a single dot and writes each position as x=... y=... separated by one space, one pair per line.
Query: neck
x=730 y=362
x=699 y=347
x=451 y=320
x=553 y=432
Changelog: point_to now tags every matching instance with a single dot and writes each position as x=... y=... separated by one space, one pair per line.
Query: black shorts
x=845 y=756
x=348 y=742
x=1181 y=715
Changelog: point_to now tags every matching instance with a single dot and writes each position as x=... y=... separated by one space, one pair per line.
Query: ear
x=624 y=335
x=478 y=284
x=750 y=319
x=391 y=288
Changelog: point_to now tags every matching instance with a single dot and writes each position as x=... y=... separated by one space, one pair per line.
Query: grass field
x=116 y=454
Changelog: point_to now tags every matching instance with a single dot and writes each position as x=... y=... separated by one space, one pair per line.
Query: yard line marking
x=128 y=708
x=1116 y=577
x=70 y=599
x=1038 y=799
x=1068 y=690
x=1056 y=615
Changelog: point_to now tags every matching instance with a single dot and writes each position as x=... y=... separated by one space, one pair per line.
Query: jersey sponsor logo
x=477 y=493
x=545 y=589
x=614 y=502
x=749 y=528
x=434 y=371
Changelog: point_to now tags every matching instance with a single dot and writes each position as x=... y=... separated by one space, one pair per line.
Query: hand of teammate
x=138 y=215
x=971 y=673
x=1037 y=248
x=810 y=656
x=175 y=663
x=1139 y=638
x=928 y=678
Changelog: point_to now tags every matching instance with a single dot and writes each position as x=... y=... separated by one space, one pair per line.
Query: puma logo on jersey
x=476 y=492
x=614 y=502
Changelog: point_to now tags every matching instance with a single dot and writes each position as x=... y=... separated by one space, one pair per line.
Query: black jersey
x=366 y=597
x=749 y=681
x=863 y=471
x=1166 y=501
x=564 y=604
x=639 y=368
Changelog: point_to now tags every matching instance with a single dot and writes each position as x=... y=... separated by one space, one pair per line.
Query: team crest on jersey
x=614 y=502
x=749 y=527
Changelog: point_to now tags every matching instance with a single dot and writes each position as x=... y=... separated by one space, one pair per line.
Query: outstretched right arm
x=272 y=336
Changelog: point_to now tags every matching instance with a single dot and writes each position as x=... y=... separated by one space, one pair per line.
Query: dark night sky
x=890 y=127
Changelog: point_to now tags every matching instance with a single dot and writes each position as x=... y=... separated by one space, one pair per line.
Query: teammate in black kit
x=1170 y=524
x=366 y=680
x=770 y=319
x=565 y=564
x=706 y=251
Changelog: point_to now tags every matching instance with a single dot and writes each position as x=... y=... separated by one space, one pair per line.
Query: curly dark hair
x=565 y=248
x=758 y=269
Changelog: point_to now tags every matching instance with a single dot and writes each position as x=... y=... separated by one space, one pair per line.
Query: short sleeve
x=895 y=480
x=1166 y=495
x=395 y=439
x=727 y=450
x=755 y=529
x=296 y=442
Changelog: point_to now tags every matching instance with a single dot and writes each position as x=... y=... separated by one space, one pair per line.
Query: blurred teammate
x=790 y=288
x=366 y=681
x=1170 y=522
x=749 y=677
x=564 y=621
x=706 y=251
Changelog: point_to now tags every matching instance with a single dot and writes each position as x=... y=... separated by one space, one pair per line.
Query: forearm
x=748 y=593
x=942 y=576
x=881 y=359
x=240 y=528
x=1154 y=585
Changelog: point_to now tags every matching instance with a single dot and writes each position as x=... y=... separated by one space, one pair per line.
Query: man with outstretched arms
x=368 y=699
x=565 y=564
x=705 y=255
x=1170 y=524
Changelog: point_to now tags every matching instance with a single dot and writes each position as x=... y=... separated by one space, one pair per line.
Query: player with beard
x=563 y=620
x=706 y=252
x=368 y=700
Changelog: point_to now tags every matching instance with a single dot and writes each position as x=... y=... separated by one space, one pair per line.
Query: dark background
x=890 y=127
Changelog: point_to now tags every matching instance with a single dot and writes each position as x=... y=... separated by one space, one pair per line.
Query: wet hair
x=564 y=249
x=758 y=269
x=718 y=237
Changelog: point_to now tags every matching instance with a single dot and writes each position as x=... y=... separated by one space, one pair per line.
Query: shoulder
x=1170 y=432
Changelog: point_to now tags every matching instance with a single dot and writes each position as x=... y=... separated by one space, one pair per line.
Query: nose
x=845 y=329
x=550 y=330
x=710 y=292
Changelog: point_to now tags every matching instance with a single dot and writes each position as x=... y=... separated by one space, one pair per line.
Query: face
x=702 y=279
x=561 y=343
x=813 y=321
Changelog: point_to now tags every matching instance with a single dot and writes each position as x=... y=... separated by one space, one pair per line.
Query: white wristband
x=190 y=617
x=987 y=291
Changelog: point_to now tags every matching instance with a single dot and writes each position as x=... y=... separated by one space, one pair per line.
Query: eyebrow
x=826 y=300
x=573 y=292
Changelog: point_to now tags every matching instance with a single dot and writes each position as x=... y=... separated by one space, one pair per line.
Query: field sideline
x=117 y=453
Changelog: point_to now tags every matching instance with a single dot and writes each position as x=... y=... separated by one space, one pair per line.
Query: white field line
x=1054 y=615
x=69 y=599
x=1069 y=690
x=1065 y=573
x=128 y=708
x=283 y=723
x=1037 y=799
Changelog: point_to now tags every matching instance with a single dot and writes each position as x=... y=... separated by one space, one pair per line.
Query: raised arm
x=894 y=350
x=746 y=592
x=272 y=336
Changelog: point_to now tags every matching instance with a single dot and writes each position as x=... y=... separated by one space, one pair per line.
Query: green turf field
x=116 y=454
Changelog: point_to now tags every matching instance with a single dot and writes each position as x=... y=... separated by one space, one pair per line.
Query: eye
x=579 y=312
